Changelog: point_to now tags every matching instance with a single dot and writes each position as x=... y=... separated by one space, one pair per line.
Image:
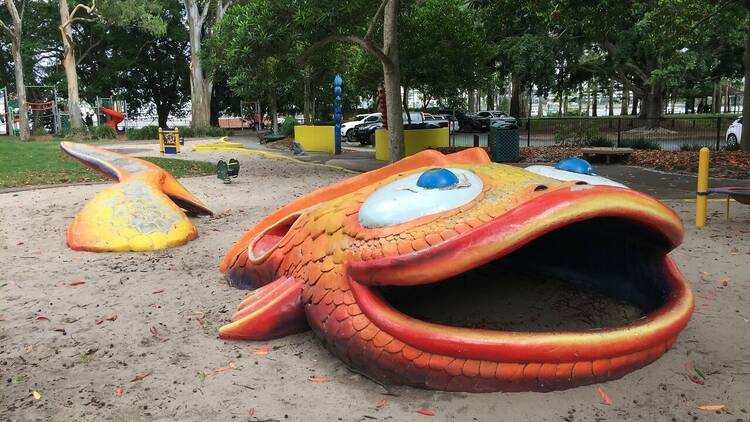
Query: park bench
x=606 y=151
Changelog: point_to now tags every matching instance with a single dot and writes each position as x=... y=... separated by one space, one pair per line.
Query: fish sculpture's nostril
x=540 y=188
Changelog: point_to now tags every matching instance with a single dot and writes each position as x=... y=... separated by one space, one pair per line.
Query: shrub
x=287 y=126
x=103 y=132
x=39 y=131
x=79 y=134
x=599 y=142
x=577 y=133
x=640 y=143
x=144 y=133
x=691 y=147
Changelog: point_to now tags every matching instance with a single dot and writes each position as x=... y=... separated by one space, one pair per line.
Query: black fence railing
x=671 y=133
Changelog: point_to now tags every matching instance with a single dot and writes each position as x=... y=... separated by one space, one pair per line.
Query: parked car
x=360 y=119
x=734 y=132
x=365 y=133
x=470 y=122
x=497 y=116
x=436 y=119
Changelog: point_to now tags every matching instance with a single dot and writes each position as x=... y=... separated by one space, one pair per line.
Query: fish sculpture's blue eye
x=418 y=195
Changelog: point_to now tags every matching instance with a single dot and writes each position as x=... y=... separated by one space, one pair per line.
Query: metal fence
x=671 y=133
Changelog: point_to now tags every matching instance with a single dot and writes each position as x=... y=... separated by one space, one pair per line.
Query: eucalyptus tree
x=14 y=30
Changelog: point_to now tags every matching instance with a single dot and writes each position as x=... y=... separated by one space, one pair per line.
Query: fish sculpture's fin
x=272 y=311
x=425 y=158
x=142 y=212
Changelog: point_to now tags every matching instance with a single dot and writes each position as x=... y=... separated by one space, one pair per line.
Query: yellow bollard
x=701 y=198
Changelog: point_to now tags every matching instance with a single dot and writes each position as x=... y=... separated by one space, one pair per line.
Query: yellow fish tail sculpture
x=142 y=212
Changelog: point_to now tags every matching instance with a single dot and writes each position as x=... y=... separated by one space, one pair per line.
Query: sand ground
x=169 y=305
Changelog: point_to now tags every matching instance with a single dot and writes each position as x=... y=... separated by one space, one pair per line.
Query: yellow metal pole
x=702 y=193
x=161 y=142
x=177 y=140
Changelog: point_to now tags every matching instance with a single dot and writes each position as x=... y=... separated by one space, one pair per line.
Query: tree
x=14 y=30
x=199 y=23
x=388 y=55
x=116 y=12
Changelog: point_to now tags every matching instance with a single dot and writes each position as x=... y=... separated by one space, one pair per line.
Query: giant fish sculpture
x=325 y=260
x=142 y=212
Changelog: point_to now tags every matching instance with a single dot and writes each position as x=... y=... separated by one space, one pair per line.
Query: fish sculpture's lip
x=650 y=335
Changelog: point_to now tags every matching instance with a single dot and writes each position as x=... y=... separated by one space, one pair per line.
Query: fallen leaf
x=109 y=318
x=250 y=411
x=29 y=348
x=62 y=330
x=76 y=283
x=699 y=372
x=319 y=380
x=695 y=379
x=605 y=398
x=154 y=331
x=711 y=407
x=381 y=404
x=42 y=318
x=172 y=268
x=140 y=377
x=426 y=412
x=232 y=365
x=158 y=291
x=119 y=391
x=222 y=369
x=38 y=396
x=724 y=282
x=263 y=350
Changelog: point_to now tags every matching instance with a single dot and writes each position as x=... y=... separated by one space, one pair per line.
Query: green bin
x=503 y=141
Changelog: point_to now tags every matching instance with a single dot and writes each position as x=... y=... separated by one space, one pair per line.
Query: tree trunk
x=611 y=94
x=565 y=104
x=490 y=100
x=392 y=77
x=540 y=107
x=624 y=101
x=651 y=106
x=307 y=102
x=472 y=101
x=162 y=114
x=716 y=100
x=634 y=110
x=69 y=64
x=200 y=85
x=515 y=97
x=594 y=100
x=274 y=114
x=745 y=138
x=23 y=107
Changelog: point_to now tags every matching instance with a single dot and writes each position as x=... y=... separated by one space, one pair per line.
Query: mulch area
x=728 y=164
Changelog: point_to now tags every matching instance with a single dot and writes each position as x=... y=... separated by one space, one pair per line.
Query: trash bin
x=503 y=141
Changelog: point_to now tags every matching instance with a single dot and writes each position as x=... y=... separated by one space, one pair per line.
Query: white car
x=360 y=118
x=734 y=132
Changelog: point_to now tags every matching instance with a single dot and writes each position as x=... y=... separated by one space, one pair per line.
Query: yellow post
x=177 y=140
x=161 y=142
x=701 y=198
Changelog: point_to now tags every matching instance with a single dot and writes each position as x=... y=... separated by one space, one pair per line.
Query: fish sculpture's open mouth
x=356 y=262
x=610 y=240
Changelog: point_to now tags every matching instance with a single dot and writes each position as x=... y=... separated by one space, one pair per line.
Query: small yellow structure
x=169 y=141
x=316 y=138
x=415 y=140
x=701 y=197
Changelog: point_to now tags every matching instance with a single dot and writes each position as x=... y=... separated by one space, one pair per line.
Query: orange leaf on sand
x=381 y=404
x=158 y=291
x=222 y=369
x=109 y=318
x=29 y=348
x=76 y=283
x=250 y=411
x=232 y=365
x=154 y=331
x=119 y=391
x=263 y=350
x=711 y=407
x=426 y=412
x=140 y=377
x=605 y=398
x=319 y=380
x=42 y=318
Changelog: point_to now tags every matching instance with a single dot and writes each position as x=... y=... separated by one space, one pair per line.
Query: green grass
x=43 y=163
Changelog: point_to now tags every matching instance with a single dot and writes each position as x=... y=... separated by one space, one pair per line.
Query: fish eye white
x=418 y=195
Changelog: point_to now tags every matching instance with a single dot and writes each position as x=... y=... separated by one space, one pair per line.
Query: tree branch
x=86 y=53
x=368 y=45
x=374 y=20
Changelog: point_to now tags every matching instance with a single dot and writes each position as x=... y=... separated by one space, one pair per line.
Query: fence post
x=528 y=131
x=718 y=132
x=619 y=127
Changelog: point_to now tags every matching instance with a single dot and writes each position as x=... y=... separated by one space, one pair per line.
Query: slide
x=115 y=117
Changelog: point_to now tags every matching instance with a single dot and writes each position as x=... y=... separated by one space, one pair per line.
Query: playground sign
x=169 y=141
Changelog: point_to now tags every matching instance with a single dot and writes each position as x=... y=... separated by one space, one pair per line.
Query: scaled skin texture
x=142 y=212
x=312 y=264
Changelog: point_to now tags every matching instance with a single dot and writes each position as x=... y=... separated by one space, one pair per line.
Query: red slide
x=115 y=117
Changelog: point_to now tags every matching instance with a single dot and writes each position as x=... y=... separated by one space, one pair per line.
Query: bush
x=579 y=133
x=203 y=132
x=78 y=134
x=599 y=142
x=150 y=133
x=287 y=126
x=103 y=132
x=640 y=143
x=691 y=147
x=39 y=131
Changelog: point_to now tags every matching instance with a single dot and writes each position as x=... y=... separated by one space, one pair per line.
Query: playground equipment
x=228 y=171
x=112 y=111
x=739 y=194
x=169 y=141
x=142 y=212
x=333 y=259
x=47 y=111
x=6 y=121
x=250 y=108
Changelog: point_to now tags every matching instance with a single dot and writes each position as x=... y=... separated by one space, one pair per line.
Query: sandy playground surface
x=161 y=360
